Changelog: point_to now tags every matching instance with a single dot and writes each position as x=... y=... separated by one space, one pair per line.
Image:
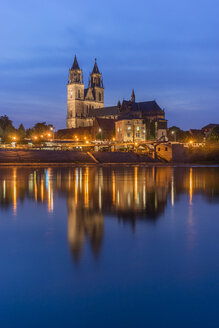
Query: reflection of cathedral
x=83 y=223
x=130 y=194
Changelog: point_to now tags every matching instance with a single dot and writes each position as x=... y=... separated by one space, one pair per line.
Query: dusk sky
x=165 y=50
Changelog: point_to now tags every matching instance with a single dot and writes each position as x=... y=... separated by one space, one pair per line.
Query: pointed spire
x=75 y=65
x=133 y=96
x=95 y=69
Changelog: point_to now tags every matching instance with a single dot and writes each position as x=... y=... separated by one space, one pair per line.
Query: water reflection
x=129 y=194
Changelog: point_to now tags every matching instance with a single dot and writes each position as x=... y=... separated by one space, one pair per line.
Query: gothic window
x=99 y=96
x=79 y=94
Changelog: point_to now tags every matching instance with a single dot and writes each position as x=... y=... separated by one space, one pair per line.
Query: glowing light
x=114 y=187
x=136 y=144
x=190 y=186
x=42 y=190
x=100 y=130
x=49 y=134
x=15 y=190
x=87 y=142
x=135 y=183
x=86 y=187
x=191 y=142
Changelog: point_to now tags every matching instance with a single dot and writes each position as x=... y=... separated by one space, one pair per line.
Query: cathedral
x=81 y=100
x=86 y=105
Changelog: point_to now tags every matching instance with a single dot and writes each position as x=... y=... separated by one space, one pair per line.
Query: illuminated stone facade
x=130 y=130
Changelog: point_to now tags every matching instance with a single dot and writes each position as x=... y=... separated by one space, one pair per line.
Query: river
x=109 y=246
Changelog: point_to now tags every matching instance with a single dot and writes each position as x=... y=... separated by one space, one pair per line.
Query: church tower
x=96 y=83
x=75 y=95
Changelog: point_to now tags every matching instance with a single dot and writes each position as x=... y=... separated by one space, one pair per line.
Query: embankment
x=16 y=156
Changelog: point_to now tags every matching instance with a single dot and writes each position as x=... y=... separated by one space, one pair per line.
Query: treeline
x=9 y=133
x=174 y=133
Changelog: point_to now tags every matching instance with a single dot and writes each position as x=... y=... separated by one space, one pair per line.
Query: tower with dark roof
x=133 y=96
x=96 y=84
x=75 y=94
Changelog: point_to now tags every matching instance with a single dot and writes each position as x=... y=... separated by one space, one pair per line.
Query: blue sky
x=165 y=50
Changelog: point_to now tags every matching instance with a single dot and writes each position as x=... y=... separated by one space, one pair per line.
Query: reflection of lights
x=4 y=189
x=172 y=189
x=35 y=186
x=114 y=187
x=129 y=199
x=50 y=192
x=118 y=199
x=155 y=200
x=42 y=190
x=86 y=187
x=144 y=196
x=100 y=197
x=15 y=190
x=190 y=186
x=135 y=183
x=76 y=186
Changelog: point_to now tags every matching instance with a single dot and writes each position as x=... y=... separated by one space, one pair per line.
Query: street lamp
x=100 y=130
x=174 y=134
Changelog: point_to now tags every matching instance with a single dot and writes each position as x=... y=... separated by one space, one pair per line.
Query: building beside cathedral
x=86 y=105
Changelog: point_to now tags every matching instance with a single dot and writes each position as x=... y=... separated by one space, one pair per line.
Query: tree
x=21 y=132
x=40 y=129
x=7 y=128
x=214 y=135
x=174 y=133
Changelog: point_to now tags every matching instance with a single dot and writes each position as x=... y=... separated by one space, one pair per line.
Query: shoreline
x=47 y=158
x=145 y=164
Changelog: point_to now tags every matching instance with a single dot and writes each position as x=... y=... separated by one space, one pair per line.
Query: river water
x=109 y=247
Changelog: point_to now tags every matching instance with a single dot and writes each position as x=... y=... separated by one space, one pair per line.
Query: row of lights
x=14 y=138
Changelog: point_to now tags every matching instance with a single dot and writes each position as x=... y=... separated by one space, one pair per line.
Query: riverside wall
x=69 y=157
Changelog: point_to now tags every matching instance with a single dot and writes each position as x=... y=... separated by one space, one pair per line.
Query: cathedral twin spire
x=75 y=66
x=76 y=75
